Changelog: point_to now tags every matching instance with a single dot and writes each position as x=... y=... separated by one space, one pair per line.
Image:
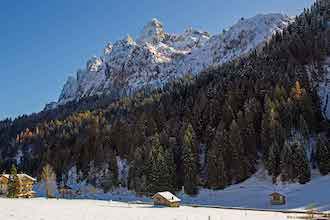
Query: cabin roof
x=168 y=196
x=22 y=175
x=276 y=193
x=65 y=187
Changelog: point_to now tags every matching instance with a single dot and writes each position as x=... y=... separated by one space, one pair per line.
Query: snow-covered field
x=53 y=209
x=254 y=193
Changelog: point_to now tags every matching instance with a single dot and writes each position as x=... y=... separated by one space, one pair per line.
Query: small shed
x=66 y=192
x=277 y=198
x=166 y=199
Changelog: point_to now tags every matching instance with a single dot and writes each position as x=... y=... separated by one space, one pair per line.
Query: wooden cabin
x=166 y=199
x=66 y=192
x=26 y=187
x=3 y=184
x=277 y=199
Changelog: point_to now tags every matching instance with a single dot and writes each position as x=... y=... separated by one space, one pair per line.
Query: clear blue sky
x=42 y=42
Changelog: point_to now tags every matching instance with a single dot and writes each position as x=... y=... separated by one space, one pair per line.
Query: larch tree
x=48 y=177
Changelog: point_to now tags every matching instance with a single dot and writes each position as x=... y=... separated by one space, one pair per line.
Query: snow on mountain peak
x=94 y=64
x=260 y=26
x=158 y=57
x=108 y=49
x=153 y=32
x=69 y=90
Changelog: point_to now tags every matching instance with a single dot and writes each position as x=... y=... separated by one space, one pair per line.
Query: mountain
x=157 y=57
x=268 y=108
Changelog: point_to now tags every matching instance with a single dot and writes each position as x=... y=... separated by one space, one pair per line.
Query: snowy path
x=43 y=209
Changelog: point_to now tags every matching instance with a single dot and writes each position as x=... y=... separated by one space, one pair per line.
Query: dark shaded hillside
x=207 y=131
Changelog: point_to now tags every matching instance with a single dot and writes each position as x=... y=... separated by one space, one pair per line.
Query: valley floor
x=53 y=209
x=254 y=193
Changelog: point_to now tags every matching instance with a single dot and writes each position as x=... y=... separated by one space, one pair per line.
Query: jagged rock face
x=69 y=90
x=153 y=32
x=158 y=57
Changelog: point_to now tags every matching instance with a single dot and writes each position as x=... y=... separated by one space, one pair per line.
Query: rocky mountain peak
x=158 y=57
x=108 y=49
x=153 y=32
x=94 y=64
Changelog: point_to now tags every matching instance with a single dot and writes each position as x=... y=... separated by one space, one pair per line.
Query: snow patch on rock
x=153 y=32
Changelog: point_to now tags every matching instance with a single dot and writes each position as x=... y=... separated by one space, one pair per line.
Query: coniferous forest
x=212 y=130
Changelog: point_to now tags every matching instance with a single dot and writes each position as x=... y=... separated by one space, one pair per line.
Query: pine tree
x=294 y=163
x=14 y=184
x=165 y=181
x=303 y=166
x=154 y=176
x=286 y=154
x=273 y=160
x=228 y=114
x=323 y=155
x=303 y=127
x=171 y=169
x=190 y=168
x=239 y=162
x=217 y=178
x=161 y=175
x=138 y=172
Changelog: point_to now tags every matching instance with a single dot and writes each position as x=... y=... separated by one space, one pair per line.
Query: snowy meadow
x=53 y=209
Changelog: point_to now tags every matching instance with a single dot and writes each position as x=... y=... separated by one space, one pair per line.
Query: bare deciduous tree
x=48 y=176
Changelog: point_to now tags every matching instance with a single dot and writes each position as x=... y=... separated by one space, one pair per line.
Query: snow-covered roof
x=168 y=196
x=276 y=193
x=23 y=175
x=65 y=187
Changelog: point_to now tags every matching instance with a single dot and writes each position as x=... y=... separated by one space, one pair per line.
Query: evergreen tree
x=273 y=161
x=14 y=184
x=161 y=178
x=286 y=157
x=239 y=163
x=303 y=166
x=217 y=178
x=137 y=179
x=294 y=163
x=323 y=155
x=171 y=169
x=303 y=127
x=190 y=168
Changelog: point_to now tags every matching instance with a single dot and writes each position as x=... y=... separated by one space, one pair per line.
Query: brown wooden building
x=66 y=192
x=277 y=199
x=166 y=199
x=26 y=186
